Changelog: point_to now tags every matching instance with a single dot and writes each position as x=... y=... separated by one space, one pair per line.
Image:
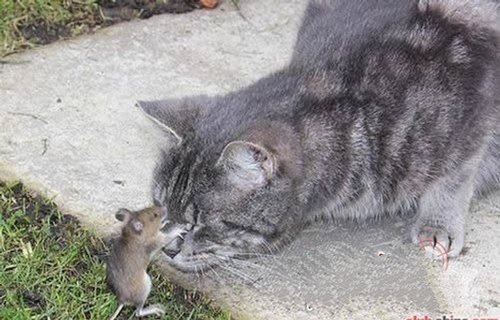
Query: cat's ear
x=176 y=116
x=248 y=165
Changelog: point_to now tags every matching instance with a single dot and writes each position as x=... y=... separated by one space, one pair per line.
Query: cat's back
x=336 y=27
x=412 y=92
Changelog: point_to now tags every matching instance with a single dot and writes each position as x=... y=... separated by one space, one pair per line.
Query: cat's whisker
x=255 y=254
x=268 y=246
x=238 y=273
x=271 y=252
x=213 y=270
x=196 y=272
x=234 y=271
x=265 y=269
x=202 y=271
x=248 y=263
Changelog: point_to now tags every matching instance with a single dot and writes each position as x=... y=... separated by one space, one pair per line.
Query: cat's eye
x=231 y=225
x=196 y=213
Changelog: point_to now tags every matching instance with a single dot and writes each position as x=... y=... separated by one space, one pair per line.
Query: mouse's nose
x=171 y=252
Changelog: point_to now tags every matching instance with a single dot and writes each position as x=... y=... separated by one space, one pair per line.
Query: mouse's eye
x=156 y=215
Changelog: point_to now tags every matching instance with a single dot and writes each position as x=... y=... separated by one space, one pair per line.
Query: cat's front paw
x=438 y=241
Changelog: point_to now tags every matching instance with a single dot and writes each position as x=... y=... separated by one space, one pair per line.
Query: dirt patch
x=36 y=208
x=80 y=19
x=120 y=10
x=33 y=299
x=41 y=33
x=185 y=297
x=41 y=213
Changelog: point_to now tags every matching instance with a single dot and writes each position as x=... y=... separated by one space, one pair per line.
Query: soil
x=33 y=299
x=42 y=33
x=61 y=227
x=185 y=297
x=110 y=12
x=36 y=208
x=120 y=10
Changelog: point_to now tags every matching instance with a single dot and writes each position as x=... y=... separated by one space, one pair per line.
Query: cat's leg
x=488 y=175
x=442 y=212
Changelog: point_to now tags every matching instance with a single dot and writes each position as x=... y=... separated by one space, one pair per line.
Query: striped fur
x=386 y=106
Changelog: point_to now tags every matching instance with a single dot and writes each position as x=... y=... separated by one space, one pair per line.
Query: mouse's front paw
x=174 y=231
x=173 y=239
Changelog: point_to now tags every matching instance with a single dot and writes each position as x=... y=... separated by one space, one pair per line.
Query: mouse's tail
x=117 y=312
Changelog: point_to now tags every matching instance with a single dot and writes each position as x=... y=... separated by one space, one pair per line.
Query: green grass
x=49 y=16
x=51 y=268
x=27 y=23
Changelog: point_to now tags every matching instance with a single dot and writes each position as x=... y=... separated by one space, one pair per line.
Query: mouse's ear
x=137 y=226
x=123 y=215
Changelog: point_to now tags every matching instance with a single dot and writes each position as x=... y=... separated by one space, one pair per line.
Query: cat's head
x=230 y=182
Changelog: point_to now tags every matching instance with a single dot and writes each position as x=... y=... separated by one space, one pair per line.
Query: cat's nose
x=171 y=252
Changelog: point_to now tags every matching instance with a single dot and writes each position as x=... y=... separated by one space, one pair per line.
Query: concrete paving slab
x=69 y=129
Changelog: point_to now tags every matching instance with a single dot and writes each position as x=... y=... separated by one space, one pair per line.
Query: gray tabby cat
x=385 y=106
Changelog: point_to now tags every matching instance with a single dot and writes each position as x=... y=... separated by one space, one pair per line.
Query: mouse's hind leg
x=155 y=309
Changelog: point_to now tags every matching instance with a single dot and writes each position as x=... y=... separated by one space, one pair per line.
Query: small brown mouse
x=141 y=238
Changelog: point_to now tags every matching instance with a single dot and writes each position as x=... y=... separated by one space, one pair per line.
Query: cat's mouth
x=190 y=255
